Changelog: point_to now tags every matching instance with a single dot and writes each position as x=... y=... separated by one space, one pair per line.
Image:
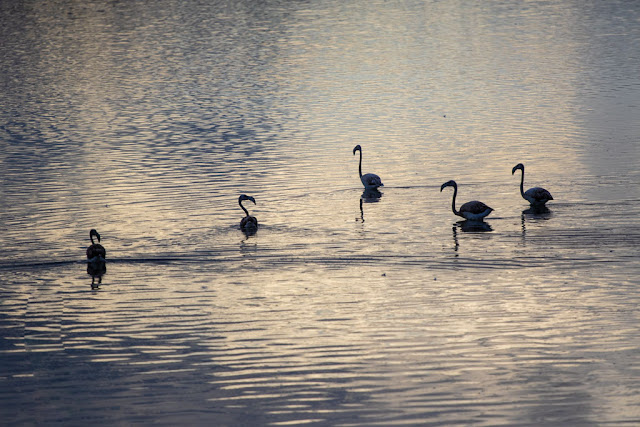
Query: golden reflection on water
x=483 y=82
x=345 y=306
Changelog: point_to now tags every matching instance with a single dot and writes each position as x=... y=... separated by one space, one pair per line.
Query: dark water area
x=147 y=120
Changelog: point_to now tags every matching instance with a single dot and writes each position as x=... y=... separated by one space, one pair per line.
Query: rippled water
x=146 y=120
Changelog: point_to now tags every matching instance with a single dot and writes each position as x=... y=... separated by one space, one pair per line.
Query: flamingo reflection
x=533 y=213
x=96 y=268
x=368 y=196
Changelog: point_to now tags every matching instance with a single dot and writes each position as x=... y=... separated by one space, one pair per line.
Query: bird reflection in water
x=368 y=196
x=248 y=248
x=468 y=226
x=96 y=268
x=456 y=244
x=371 y=196
x=534 y=212
x=537 y=212
x=250 y=231
x=361 y=219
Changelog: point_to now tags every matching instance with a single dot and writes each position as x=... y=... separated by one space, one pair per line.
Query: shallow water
x=146 y=121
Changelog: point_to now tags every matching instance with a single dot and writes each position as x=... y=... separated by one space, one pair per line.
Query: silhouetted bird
x=371 y=181
x=473 y=211
x=537 y=196
x=248 y=223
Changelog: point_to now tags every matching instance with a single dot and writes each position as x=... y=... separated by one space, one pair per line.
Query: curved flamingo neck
x=94 y=233
x=453 y=201
x=243 y=208
x=360 y=164
x=522 y=183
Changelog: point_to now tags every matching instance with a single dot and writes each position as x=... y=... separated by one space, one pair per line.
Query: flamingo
x=96 y=249
x=536 y=196
x=371 y=181
x=248 y=223
x=473 y=211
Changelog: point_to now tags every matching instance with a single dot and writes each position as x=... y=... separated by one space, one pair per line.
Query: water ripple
x=146 y=121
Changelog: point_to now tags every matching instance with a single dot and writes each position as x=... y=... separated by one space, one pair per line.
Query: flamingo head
x=451 y=183
x=245 y=197
x=94 y=232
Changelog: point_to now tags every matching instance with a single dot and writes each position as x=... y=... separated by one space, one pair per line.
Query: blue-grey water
x=147 y=119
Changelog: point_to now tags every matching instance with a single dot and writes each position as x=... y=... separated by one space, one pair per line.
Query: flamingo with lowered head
x=96 y=249
x=371 y=181
x=248 y=223
x=473 y=211
x=536 y=196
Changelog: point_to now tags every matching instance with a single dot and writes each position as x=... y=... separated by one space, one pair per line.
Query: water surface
x=147 y=121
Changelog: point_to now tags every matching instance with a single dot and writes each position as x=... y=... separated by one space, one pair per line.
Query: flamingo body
x=249 y=222
x=536 y=196
x=474 y=210
x=371 y=181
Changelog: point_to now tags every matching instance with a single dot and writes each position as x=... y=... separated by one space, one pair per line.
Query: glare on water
x=147 y=121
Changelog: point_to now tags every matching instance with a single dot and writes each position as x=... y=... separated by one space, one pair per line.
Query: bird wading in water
x=473 y=211
x=371 y=181
x=96 y=249
x=536 y=196
x=96 y=263
x=248 y=223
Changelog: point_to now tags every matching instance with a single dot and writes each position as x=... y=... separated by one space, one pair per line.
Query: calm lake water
x=147 y=120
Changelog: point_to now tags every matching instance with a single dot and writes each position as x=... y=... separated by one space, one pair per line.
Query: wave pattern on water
x=281 y=348
x=148 y=120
